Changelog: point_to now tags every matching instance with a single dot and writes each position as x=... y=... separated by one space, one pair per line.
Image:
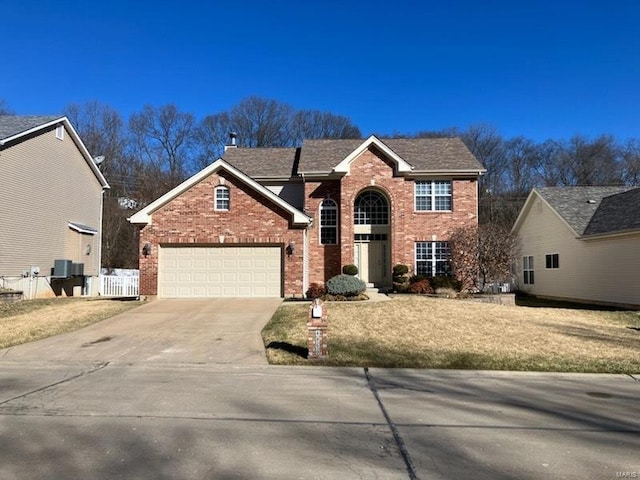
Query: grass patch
x=30 y=320
x=422 y=332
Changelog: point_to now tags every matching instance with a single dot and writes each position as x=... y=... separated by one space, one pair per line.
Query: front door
x=371 y=260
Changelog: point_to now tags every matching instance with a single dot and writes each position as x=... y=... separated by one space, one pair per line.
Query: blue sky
x=541 y=69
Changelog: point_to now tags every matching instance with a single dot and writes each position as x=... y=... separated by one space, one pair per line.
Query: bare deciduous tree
x=4 y=108
x=162 y=138
x=482 y=255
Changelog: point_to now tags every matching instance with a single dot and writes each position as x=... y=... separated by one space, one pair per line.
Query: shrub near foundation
x=345 y=285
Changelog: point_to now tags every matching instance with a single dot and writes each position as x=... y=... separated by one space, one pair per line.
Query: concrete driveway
x=219 y=331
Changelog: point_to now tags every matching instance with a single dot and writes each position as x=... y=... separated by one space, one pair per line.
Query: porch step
x=375 y=295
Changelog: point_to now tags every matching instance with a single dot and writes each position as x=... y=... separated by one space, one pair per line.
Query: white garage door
x=201 y=272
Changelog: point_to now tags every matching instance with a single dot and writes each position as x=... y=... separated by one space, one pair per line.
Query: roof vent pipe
x=232 y=141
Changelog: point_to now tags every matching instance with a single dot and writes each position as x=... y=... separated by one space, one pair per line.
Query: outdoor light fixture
x=290 y=248
x=88 y=249
x=146 y=249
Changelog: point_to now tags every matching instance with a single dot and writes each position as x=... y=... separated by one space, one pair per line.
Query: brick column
x=318 y=326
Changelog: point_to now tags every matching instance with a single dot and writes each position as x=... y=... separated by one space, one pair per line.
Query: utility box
x=318 y=326
x=61 y=269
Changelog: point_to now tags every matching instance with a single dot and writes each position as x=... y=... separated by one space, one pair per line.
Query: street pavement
x=137 y=413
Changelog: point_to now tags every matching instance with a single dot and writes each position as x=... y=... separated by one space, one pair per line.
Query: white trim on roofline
x=401 y=165
x=144 y=215
x=79 y=227
x=76 y=138
x=524 y=211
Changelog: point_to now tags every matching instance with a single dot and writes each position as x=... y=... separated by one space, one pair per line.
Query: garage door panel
x=199 y=272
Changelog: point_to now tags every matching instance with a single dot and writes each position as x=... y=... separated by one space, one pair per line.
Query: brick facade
x=190 y=219
x=372 y=170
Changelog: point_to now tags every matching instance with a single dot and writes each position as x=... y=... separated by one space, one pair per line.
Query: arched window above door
x=371 y=208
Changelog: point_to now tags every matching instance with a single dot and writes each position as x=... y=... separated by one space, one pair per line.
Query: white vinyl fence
x=121 y=285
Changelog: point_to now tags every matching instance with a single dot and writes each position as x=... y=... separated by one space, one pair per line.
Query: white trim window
x=527 y=270
x=328 y=222
x=60 y=132
x=552 y=260
x=371 y=208
x=222 y=199
x=433 y=258
x=433 y=195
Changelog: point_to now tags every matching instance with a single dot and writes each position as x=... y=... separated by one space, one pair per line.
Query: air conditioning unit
x=61 y=269
x=77 y=269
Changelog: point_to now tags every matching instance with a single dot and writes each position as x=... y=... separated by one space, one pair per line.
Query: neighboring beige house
x=581 y=244
x=50 y=208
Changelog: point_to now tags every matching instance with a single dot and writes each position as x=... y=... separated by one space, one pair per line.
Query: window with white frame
x=433 y=258
x=432 y=195
x=328 y=222
x=552 y=260
x=222 y=198
x=371 y=208
x=527 y=270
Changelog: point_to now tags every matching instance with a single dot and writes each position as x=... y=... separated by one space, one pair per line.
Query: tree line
x=158 y=147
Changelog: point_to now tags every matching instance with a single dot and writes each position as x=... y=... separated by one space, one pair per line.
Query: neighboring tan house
x=581 y=244
x=271 y=221
x=50 y=208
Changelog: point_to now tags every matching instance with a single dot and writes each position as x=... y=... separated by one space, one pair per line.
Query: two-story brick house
x=271 y=221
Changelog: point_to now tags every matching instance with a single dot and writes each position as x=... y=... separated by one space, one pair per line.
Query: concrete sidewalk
x=157 y=421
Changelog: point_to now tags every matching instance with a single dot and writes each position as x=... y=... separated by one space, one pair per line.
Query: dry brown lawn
x=34 y=319
x=423 y=332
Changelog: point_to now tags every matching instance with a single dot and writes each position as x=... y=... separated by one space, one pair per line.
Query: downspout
x=305 y=261
x=100 y=240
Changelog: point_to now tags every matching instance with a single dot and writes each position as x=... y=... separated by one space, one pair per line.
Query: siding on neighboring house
x=46 y=183
x=603 y=270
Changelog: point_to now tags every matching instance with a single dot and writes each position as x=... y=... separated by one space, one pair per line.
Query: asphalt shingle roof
x=11 y=125
x=263 y=162
x=321 y=156
x=578 y=206
x=616 y=213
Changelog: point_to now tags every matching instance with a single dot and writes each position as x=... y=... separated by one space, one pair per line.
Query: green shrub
x=444 y=281
x=315 y=290
x=350 y=270
x=400 y=270
x=346 y=285
x=401 y=287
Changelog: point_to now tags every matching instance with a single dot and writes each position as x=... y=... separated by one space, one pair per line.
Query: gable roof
x=421 y=154
x=616 y=213
x=14 y=128
x=578 y=206
x=16 y=125
x=144 y=216
x=416 y=155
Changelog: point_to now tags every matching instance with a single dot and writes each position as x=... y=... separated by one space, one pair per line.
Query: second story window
x=371 y=208
x=328 y=222
x=222 y=199
x=432 y=195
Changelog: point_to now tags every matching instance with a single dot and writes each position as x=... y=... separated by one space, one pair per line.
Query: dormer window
x=222 y=199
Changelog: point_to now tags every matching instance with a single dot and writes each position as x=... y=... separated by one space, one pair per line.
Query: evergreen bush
x=350 y=270
x=346 y=285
